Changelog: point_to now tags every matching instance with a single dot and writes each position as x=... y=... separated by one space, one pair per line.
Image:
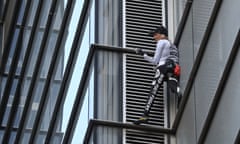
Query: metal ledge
x=94 y=123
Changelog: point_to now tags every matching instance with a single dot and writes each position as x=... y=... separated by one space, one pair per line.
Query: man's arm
x=157 y=54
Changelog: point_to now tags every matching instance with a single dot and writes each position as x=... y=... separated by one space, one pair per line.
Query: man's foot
x=143 y=119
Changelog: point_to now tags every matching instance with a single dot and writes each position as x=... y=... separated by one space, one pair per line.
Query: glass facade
x=28 y=94
x=84 y=45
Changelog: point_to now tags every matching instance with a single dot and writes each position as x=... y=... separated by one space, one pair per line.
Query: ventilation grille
x=141 y=17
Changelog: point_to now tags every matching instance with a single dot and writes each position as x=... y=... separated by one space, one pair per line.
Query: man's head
x=159 y=33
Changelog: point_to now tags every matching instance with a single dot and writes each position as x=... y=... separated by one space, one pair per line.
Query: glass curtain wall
x=88 y=38
x=31 y=91
x=102 y=99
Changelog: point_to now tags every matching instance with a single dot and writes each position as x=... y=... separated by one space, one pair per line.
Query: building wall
x=225 y=124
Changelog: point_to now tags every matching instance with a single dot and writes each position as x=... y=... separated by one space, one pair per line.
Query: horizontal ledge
x=95 y=122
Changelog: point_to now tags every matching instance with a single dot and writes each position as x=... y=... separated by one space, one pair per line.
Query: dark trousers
x=163 y=73
x=157 y=81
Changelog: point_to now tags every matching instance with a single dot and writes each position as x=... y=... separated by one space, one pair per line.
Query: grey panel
x=201 y=13
x=186 y=131
x=226 y=124
x=214 y=59
x=186 y=52
x=180 y=6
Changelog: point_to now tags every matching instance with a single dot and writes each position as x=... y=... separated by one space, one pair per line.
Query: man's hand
x=139 y=51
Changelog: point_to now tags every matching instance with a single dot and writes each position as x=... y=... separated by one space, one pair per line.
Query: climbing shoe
x=143 y=119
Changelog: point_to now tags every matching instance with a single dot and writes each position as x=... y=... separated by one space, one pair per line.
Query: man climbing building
x=166 y=59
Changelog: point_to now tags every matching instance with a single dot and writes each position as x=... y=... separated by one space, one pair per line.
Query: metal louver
x=141 y=16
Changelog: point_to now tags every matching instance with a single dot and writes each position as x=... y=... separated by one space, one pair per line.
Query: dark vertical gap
x=166 y=12
x=95 y=67
x=4 y=10
x=1 y=46
x=168 y=111
x=9 y=39
x=120 y=66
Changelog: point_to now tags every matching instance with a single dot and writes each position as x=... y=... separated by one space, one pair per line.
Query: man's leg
x=158 y=80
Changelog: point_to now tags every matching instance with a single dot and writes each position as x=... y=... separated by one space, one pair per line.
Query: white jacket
x=162 y=52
